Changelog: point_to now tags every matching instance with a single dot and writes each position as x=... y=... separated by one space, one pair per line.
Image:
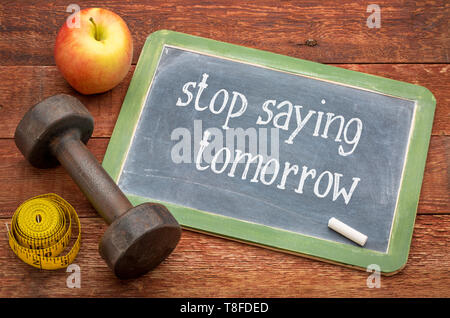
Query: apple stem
x=95 y=28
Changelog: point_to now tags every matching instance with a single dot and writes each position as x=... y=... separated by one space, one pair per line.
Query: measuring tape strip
x=41 y=228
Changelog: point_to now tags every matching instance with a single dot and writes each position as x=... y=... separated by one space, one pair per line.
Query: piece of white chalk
x=347 y=231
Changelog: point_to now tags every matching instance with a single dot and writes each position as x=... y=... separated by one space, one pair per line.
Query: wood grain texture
x=232 y=269
x=412 y=45
x=412 y=32
x=20 y=181
x=23 y=86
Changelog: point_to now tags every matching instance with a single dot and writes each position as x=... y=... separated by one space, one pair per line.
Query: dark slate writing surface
x=150 y=171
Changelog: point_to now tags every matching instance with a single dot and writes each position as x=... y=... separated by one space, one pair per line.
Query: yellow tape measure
x=41 y=228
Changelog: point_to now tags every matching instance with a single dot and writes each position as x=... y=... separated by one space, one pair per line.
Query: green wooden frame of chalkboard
x=203 y=221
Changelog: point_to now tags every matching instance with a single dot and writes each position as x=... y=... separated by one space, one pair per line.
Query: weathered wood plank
x=205 y=266
x=23 y=86
x=20 y=181
x=410 y=32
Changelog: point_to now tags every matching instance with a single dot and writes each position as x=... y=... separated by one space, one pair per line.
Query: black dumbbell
x=138 y=238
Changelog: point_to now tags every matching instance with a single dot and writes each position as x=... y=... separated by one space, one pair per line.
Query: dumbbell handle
x=89 y=175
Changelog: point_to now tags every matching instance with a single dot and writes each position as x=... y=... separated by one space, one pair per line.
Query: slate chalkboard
x=312 y=145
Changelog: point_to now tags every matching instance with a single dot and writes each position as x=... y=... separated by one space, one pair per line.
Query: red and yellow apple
x=96 y=56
